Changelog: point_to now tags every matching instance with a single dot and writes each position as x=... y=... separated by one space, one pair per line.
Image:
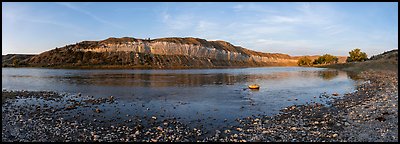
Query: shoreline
x=145 y=68
x=309 y=122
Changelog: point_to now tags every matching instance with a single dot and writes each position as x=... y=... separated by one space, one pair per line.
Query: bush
x=304 y=61
x=326 y=59
x=356 y=55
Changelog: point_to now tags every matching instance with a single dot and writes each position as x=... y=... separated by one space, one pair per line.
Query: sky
x=290 y=28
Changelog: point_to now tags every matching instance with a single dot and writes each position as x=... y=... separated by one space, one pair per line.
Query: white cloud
x=284 y=19
x=22 y=16
x=254 y=7
x=304 y=28
x=334 y=29
x=95 y=17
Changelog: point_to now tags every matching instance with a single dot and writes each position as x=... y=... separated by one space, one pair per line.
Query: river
x=212 y=96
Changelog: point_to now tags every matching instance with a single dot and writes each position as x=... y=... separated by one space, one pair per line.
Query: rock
x=235 y=135
x=98 y=110
x=159 y=128
x=70 y=107
x=264 y=132
x=266 y=121
x=227 y=131
x=96 y=137
x=154 y=140
x=334 y=135
x=335 y=94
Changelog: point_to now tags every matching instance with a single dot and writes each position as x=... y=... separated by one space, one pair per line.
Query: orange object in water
x=254 y=86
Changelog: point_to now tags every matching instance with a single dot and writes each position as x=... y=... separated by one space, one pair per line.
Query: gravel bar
x=367 y=115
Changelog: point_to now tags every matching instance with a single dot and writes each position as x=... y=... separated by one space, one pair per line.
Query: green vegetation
x=385 y=61
x=356 y=56
x=304 y=61
x=326 y=59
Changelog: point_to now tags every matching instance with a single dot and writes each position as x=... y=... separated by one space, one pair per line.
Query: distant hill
x=172 y=52
x=15 y=59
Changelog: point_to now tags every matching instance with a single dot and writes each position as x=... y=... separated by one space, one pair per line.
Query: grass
x=357 y=67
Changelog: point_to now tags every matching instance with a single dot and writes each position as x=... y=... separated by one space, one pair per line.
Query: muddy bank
x=370 y=114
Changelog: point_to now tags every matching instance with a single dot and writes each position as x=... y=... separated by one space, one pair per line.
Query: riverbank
x=148 y=67
x=370 y=114
x=374 y=65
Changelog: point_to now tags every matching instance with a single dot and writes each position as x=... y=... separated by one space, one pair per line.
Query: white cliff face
x=169 y=48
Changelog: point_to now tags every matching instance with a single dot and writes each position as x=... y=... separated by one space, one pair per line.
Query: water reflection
x=218 y=93
x=184 y=80
x=328 y=74
x=354 y=76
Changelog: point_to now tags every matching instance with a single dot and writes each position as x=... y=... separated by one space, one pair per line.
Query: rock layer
x=158 y=53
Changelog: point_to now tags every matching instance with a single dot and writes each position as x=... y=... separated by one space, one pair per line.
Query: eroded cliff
x=158 y=53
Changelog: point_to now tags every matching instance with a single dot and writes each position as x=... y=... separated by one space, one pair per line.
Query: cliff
x=11 y=60
x=157 y=53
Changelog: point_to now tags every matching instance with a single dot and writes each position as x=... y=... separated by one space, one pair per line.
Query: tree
x=356 y=55
x=304 y=61
x=326 y=59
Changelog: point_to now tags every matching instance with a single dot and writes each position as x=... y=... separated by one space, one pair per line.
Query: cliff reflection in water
x=218 y=93
x=168 y=80
x=190 y=80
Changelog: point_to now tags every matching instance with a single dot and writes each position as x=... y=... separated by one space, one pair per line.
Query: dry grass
x=377 y=65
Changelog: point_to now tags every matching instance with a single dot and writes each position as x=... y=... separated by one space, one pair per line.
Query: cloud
x=285 y=19
x=334 y=29
x=302 y=28
x=16 y=15
x=95 y=17
x=205 y=26
x=253 y=7
x=178 y=22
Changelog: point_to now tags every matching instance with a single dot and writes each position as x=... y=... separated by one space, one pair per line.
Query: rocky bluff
x=156 y=53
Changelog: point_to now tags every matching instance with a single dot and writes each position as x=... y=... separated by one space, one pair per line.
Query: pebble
x=334 y=135
x=160 y=128
x=308 y=123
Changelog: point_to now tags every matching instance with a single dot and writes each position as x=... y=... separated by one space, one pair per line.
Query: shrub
x=304 y=61
x=326 y=59
x=356 y=55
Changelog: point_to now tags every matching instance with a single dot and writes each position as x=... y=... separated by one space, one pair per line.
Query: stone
x=98 y=110
x=334 y=135
x=159 y=128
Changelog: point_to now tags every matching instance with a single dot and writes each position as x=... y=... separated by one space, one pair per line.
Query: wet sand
x=369 y=114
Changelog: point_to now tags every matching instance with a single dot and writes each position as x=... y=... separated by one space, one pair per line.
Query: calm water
x=211 y=95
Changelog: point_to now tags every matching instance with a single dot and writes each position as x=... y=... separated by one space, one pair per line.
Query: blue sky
x=291 y=28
